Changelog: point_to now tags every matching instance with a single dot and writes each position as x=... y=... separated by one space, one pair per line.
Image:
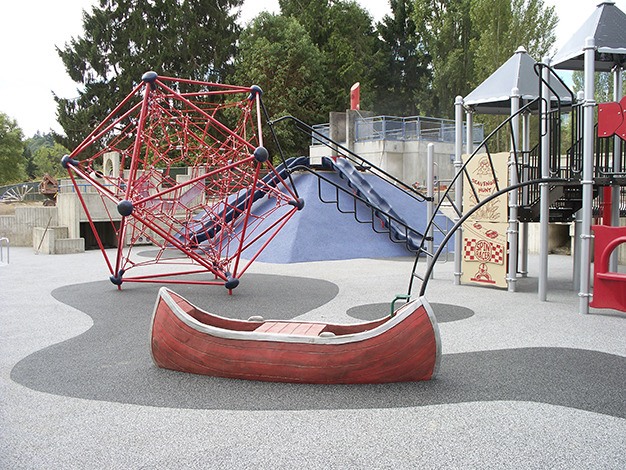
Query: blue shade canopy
x=493 y=96
x=607 y=25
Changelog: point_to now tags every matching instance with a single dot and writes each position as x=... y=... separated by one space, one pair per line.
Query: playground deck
x=522 y=383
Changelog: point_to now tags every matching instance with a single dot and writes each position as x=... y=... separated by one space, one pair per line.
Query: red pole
x=355 y=96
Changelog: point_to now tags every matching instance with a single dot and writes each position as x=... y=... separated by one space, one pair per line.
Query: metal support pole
x=617 y=166
x=523 y=227
x=458 y=186
x=514 y=194
x=430 y=194
x=544 y=189
x=587 y=182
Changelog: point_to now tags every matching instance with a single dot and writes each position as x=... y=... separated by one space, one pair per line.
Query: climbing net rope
x=180 y=165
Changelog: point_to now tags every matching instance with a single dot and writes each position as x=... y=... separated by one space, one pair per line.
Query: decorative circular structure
x=180 y=164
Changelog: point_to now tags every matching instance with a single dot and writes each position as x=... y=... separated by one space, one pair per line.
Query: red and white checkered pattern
x=484 y=251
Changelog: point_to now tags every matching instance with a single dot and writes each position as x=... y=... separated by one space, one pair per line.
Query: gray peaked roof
x=607 y=25
x=493 y=96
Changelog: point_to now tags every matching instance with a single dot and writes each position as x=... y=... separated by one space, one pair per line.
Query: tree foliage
x=469 y=39
x=125 y=38
x=446 y=31
x=47 y=159
x=506 y=25
x=277 y=54
x=11 y=149
x=603 y=84
x=405 y=72
x=344 y=34
x=415 y=61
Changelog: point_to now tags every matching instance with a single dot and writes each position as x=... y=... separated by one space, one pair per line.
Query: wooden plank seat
x=291 y=328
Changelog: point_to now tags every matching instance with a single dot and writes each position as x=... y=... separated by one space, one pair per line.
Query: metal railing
x=402 y=129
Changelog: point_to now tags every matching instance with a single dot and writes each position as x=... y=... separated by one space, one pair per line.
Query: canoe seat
x=291 y=328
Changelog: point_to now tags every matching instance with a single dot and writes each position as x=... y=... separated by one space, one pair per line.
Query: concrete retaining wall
x=18 y=228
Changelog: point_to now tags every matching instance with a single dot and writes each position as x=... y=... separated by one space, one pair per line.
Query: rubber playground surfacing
x=111 y=361
x=519 y=380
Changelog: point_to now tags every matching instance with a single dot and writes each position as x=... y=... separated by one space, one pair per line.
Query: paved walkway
x=522 y=384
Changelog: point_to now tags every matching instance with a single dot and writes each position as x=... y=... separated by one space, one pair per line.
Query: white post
x=458 y=186
x=587 y=182
x=513 y=195
x=617 y=165
x=430 y=194
x=544 y=189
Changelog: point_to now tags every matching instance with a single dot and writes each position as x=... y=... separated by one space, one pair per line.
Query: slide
x=400 y=230
x=207 y=225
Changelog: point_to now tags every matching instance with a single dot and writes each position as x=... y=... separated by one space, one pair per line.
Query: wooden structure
x=49 y=187
x=400 y=348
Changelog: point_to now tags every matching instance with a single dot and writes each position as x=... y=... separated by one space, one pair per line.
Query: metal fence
x=402 y=129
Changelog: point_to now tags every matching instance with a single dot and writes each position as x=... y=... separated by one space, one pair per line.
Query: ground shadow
x=111 y=361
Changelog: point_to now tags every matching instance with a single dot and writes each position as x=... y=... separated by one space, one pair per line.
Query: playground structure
x=402 y=347
x=554 y=181
x=202 y=220
x=164 y=169
x=549 y=182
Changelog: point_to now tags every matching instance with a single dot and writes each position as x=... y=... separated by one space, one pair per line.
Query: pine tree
x=122 y=39
x=406 y=70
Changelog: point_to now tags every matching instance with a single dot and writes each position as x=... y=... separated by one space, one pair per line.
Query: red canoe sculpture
x=401 y=348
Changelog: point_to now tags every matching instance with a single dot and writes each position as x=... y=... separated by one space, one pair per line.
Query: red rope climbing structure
x=189 y=173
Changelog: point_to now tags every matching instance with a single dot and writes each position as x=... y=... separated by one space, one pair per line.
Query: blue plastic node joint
x=66 y=161
x=255 y=90
x=297 y=203
x=150 y=77
x=125 y=208
x=231 y=283
x=117 y=280
x=261 y=154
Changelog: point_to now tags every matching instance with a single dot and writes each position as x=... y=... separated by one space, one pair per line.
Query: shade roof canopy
x=607 y=25
x=493 y=96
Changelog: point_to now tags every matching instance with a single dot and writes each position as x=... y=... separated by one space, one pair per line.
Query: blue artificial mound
x=321 y=232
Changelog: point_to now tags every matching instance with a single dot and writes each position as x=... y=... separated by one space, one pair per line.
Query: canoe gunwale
x=401 y=314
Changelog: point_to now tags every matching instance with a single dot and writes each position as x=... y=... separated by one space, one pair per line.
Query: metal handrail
x=400 y=129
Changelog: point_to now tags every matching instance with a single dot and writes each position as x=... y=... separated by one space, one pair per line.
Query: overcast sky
x=31 y=69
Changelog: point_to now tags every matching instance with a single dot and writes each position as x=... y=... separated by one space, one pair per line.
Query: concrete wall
x=71 y=212
x=18 y=228
x=54 y=240
x=406 y=160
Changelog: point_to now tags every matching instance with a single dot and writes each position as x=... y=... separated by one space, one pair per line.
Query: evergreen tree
x=124 y=38
x=406 y=71
x=445 y=29
x=29 y=164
